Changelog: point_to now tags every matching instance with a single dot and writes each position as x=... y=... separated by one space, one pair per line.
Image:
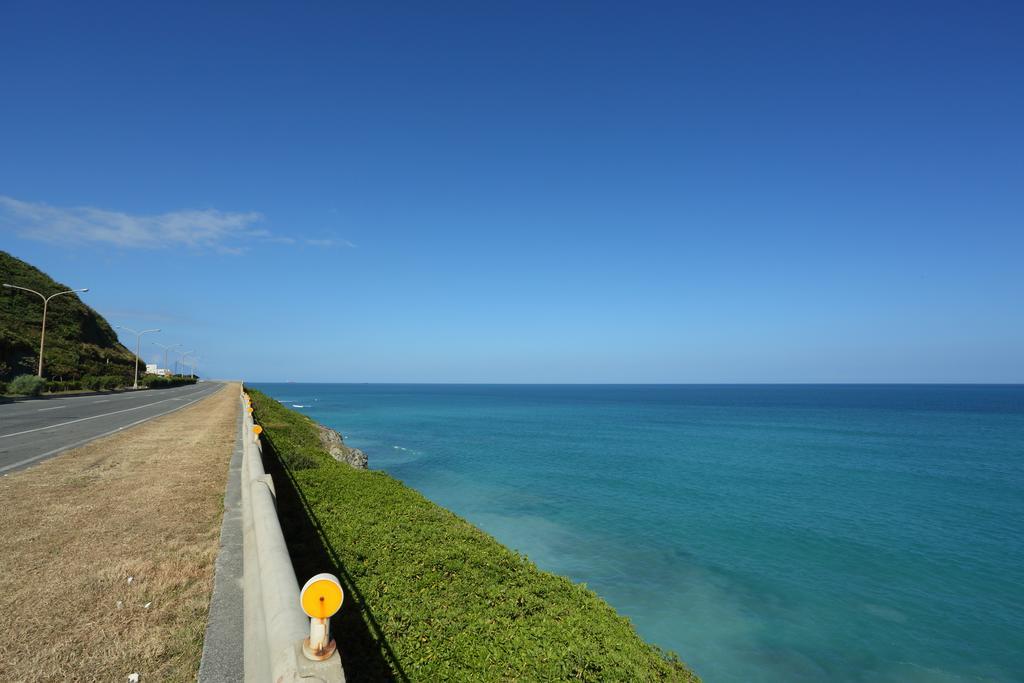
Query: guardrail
x=276 y=627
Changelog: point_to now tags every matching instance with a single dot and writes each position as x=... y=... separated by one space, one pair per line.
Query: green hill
x=79 y=341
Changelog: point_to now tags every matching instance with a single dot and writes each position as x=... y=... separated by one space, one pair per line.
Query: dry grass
x=145 y=503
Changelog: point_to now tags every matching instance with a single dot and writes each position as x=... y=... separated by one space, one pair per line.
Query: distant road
x=33 y=430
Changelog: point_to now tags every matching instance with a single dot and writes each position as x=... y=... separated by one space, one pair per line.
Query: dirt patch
x=107 y=551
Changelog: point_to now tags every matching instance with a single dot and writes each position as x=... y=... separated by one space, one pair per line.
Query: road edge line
x=55 y=451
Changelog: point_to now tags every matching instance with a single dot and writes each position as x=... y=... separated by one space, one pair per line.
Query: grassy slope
x=78 y=340
x=440 y=599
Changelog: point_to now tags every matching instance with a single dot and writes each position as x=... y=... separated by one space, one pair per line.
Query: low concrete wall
x=275 y=624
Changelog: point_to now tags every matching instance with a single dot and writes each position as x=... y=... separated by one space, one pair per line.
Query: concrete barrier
x=275 y=624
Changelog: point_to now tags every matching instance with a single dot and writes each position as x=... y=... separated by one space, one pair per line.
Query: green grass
x=429 y=597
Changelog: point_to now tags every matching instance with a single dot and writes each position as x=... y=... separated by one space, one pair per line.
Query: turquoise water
x=765 y=533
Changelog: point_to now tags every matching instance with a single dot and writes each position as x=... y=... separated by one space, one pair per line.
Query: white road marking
x=41 y=410
x=99 y=436
x=106 y=400
x=83 y=419
x=128 y=393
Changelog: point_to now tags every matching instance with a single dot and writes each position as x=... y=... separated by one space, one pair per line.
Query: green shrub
x=28 y=385
x=110 y=382
x=91 y=382
x=3 y=388
x=435 y=598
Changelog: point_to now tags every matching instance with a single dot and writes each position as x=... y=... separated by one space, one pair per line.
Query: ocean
x=776 y=533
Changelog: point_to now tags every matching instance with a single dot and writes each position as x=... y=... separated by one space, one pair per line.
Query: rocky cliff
x=335 y=445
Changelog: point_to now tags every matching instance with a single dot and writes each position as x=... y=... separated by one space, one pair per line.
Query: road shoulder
x=109 y=550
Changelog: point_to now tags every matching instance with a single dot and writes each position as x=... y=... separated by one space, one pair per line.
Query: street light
x=166 y=348
x=193 y=361
x=183 y=356
x=138 y=342
x=46 y=303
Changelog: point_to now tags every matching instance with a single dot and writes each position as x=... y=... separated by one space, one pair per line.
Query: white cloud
x=223 y=231
x=330 y=242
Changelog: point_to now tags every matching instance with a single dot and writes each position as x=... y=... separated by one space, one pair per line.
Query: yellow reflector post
x=322 y=596
x=257 y=429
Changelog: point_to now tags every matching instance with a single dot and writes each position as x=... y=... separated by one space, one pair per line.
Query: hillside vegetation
x=429 y=597
x=79 y=342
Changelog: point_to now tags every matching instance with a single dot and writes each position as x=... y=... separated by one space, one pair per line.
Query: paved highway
x=36 y=429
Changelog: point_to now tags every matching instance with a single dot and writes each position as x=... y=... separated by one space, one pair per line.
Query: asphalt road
x=33 y=430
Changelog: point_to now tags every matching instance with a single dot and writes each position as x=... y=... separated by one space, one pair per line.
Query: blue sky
x=530 y=192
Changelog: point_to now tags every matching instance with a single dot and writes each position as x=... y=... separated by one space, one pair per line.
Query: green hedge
x=429 y=597
x=162 y=382
x=104 y=382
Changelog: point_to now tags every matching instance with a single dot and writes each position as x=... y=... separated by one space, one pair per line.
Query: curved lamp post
x=46 y=303
x=183 y=355
x=138 y=342
x=166 y=348
x=193 y=361
x=194 y=366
